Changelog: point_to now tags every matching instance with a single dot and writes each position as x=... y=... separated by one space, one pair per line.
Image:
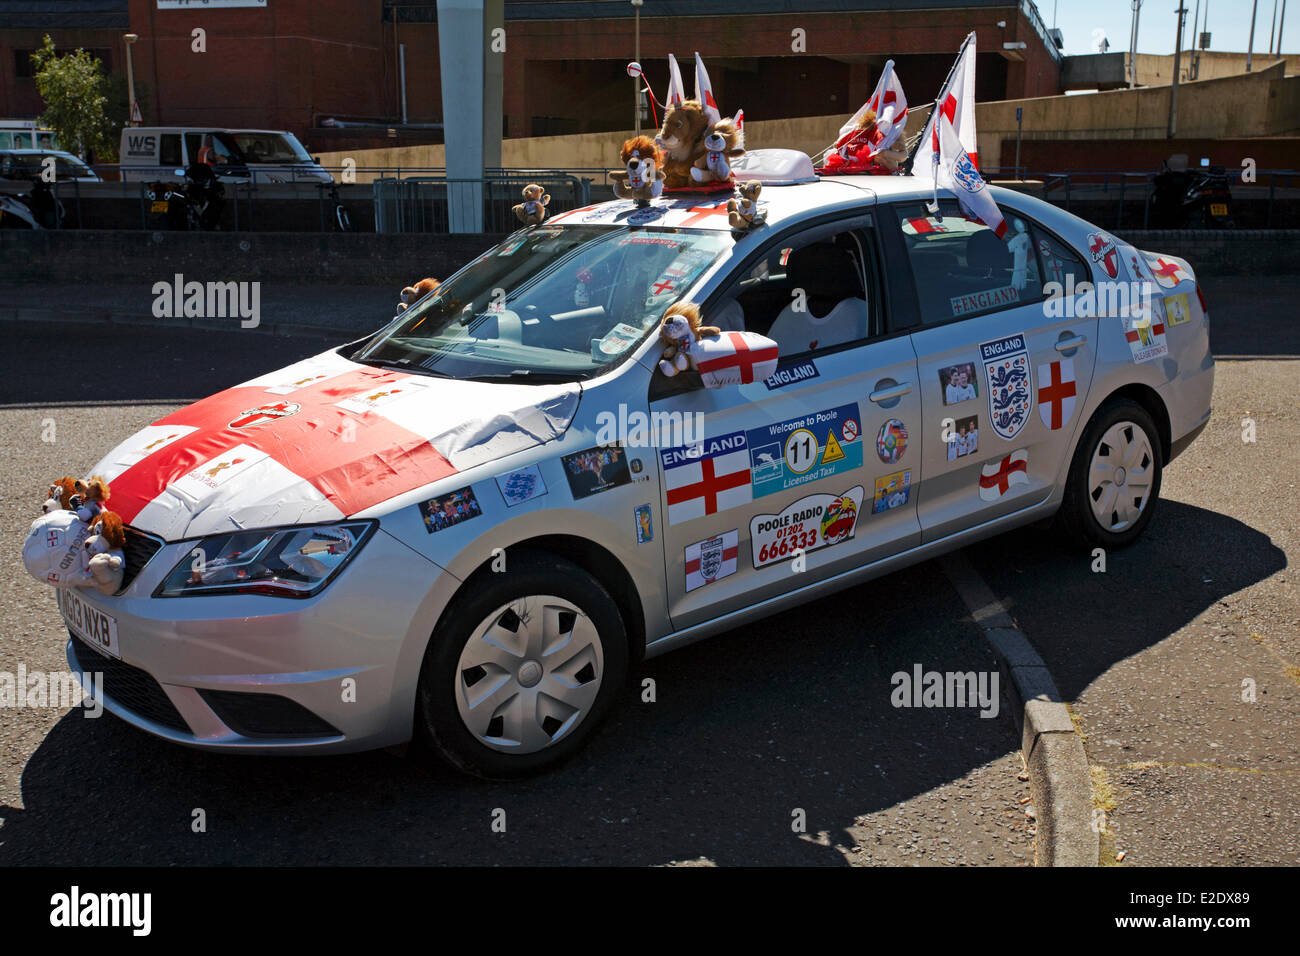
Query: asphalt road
x=746 y=729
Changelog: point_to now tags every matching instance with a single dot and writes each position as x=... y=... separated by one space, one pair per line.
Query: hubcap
x=529 y=673
x=1120 y=476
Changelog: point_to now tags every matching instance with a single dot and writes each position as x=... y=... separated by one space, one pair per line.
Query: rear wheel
x=522 y=669
x=1114 y=479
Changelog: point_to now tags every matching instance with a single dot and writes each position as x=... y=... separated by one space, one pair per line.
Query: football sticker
x=1178 y=309
x=522 y=485
x=594 y=470
x=891 y=491
x=711 y=559
x=964 y=438
x=891 y=441
x=959 y=383
x=448 y=510
x=997 y=477
x=644 y=529
x=1056 y=392
x=805 y=525
x=1006 y=364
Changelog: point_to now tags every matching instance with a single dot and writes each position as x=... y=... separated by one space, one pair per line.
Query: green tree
x=75 y=91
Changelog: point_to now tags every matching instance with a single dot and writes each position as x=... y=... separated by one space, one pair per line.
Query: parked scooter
x=37 y=208
x=194 y=204
x=1184 y=198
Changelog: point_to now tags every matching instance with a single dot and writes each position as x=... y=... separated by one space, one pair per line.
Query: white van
x=151 y=153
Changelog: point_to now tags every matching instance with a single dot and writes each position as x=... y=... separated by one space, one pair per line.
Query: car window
x=169 y=153
x=1058 y=261
x=961 y=267
x=807 y=294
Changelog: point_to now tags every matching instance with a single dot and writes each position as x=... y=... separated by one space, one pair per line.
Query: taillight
x=1205 y=309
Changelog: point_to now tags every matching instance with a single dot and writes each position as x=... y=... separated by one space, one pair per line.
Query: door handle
x=882 y=395
x=1073 y=342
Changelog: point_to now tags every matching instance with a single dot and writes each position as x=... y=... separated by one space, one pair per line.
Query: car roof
x=40 y=151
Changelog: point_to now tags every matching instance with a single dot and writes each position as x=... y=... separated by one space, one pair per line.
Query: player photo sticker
x=593 y=470
x=522 y=485
x=812 y=522
x=959 y=383
x=711 y=559
x=449 y=510
x=891 y=441
x=1178 y=309
x=891 y=491
x=644 y=529
x=964 y=438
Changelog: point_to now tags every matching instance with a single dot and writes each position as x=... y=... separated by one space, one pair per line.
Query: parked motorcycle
x=38 y=208
x=193 y=204
x=341 y=218
x=1186 y=198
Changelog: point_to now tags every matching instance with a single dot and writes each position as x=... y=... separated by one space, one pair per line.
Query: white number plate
x=88 y=622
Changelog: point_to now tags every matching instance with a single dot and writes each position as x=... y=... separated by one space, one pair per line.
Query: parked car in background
x=150 y=153
x=29 y=164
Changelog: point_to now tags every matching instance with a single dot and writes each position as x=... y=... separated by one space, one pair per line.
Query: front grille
x=140 y=548
x=130 y=687
x=265 y=715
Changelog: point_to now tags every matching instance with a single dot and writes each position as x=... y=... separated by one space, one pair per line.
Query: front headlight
x=280 y=562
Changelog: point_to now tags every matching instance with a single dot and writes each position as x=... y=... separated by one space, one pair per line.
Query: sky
x=1229 y=23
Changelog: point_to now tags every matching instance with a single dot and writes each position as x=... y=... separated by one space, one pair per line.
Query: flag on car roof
x=954 y=169
x=676 y=92
x=956 y=103
x=890 y=106
x=704 y=91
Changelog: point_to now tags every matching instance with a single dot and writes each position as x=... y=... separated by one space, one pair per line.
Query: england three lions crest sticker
x=1010 y=386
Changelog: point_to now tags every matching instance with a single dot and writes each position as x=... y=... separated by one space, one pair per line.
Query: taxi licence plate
x=88 y=622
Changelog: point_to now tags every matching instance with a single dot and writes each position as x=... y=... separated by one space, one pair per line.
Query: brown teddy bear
x=90 y=497
x=679 y=331
x=533 y=209
x=106 y=564
x=60 y=496
x=743 y=212
x=642 y=177
x=723 y=142
x=682 y=140
x=414 y=293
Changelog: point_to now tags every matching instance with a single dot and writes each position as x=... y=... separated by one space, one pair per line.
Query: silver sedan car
x=469 y=527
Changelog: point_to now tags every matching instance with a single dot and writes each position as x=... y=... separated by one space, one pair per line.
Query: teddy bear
x=682 y=140
x=679 y=331
x=533 y=209
x=90 y=497
x=743 y=212
x=60 y=496
x=723 y=142
x=855 y=155
x=106 y=564
x=414 y=293
x=643 y=176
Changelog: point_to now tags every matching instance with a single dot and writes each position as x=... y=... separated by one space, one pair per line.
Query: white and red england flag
x=735 y=358
x=997 y=477
x=676 y=95
x=890 y=105
x=956 y=102
x=713 y=477
x=704 y=91
x=956 y=171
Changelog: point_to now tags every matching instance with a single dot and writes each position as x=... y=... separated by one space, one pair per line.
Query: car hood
x=319 y=440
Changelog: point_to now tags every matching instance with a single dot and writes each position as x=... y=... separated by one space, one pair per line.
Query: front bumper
x=250 y=673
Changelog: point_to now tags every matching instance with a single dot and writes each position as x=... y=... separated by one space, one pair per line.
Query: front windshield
x=551 y=303
x=271 y=148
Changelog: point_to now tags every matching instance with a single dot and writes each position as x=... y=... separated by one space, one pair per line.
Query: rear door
x=1003 y=365
x=808 y=474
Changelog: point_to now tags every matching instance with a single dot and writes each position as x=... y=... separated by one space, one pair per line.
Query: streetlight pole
x=129 y=39
x=636 y=81
x=1173 y=89
x=1250 y=43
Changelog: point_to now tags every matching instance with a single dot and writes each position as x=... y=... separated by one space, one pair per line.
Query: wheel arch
x=1150 y=399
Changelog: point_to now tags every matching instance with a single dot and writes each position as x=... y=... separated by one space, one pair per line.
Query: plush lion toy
x=106 y=565
x=743 y=212
x=642 y=177
x=533 y=209
x=60 y=496
x=414 y=293
x=679 y=331
x=90 y=497
x=682 y=140
x=723 y=142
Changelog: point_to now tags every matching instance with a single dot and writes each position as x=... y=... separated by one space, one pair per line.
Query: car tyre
x=1114 y=479
x=522 y=669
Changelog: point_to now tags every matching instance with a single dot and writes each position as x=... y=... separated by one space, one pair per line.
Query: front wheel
x=522 y=669
x=1114 y=479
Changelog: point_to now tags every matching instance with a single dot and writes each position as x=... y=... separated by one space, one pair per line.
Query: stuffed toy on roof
x=871 y=141
x=698 y=145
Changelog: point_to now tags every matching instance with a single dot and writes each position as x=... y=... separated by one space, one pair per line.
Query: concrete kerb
x=1059 y=781
x=93 y=316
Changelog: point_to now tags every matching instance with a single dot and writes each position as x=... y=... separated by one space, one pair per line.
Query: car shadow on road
x=1082 y=621
x=789 y=714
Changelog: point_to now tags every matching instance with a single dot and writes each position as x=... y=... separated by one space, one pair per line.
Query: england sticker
x=522 y=485
x=1102 y=249
x=813 y=522
x=1056 y=392
x=790 y=374
x=1006 y=366
x=711 y=559
x=208 y=477
x=1145 y=337
x=1166 y=272
x=706 y=477
x=795 y=452
x=997 y=477
x=262 y=414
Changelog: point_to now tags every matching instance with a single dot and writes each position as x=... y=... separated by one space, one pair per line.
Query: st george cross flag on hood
x=956 y=171
x=890 y=105
x=956 y=103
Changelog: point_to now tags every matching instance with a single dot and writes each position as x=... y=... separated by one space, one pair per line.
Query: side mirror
x=735 y=358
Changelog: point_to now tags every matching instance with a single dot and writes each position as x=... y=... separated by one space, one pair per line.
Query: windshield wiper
x=404 y=365
x=522 y=375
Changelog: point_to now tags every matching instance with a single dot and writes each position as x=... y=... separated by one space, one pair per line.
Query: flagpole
x=911 y=155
